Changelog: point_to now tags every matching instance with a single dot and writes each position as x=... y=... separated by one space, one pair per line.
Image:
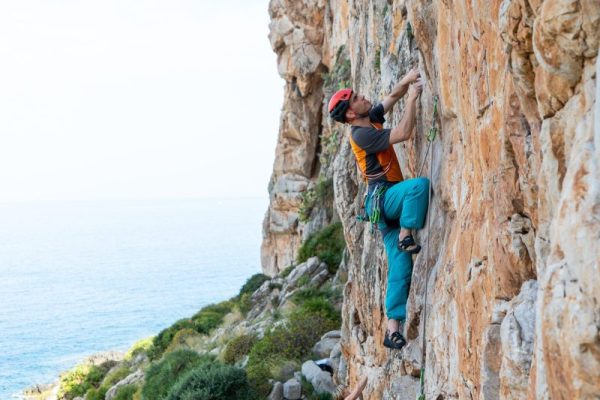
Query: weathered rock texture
x=514 y=240
x=297 y=38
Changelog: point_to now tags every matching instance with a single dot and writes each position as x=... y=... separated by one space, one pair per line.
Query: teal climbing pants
x=403 y=205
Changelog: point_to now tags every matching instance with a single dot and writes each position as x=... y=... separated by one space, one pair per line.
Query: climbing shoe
x=394 y=341
x=408 y=245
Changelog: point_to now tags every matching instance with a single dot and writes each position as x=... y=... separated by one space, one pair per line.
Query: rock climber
x=397 y=206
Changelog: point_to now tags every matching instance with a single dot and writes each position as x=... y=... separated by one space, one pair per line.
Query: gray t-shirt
x=372 y=141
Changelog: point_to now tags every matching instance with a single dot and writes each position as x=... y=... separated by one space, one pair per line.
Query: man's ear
x=350 y=115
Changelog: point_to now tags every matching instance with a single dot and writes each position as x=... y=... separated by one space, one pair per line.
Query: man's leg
x=399 y=275
x=406 y=202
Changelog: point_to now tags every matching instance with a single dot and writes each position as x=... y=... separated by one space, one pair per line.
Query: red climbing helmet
x=339 y=104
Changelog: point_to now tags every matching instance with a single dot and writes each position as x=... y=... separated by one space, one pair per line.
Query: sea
x=78 y=278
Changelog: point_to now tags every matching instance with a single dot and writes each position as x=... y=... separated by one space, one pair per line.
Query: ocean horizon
x=83 y=277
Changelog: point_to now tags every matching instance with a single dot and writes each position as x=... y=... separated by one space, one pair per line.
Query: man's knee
x=422 y=183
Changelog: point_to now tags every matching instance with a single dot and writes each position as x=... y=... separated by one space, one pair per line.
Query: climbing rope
x=430 y=135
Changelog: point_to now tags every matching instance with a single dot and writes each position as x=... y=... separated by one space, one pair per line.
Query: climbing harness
x=377 y=193
x=431 y=135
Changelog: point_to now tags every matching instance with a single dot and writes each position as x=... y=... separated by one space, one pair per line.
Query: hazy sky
x=134 y=99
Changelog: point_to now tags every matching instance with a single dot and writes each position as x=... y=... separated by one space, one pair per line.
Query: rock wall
x=514 y=230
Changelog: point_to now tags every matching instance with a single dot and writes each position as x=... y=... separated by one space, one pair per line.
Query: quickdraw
x=376 y=198
x=431 y=133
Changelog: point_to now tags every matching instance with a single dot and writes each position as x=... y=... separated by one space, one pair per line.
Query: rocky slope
x=513 y=285
x=282 y=332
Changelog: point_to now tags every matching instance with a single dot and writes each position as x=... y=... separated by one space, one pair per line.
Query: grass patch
x=330 y=143
x=162 y=376
x=287 y=271
x=139 y=347
x=188 y=339
x=243 y=298
x=292 y=341
x=245 y=303
x=237 y=348
x=109 y=381
x=126 y=392
x=253 y=283
x=328 y=244
x=309 y=391
x=205 y=320
x=303 y=281
x=164 y=338
x=321 y=194
x=212 y=382
x=82 y=378
x=211 y=316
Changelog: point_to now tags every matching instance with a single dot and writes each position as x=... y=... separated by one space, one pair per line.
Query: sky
x=124 y=99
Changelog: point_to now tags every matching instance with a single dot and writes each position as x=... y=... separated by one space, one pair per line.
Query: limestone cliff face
x=514 y=240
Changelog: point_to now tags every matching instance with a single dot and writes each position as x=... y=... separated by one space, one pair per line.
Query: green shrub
x=309 y=391
x=303 y=281
x=96 y=394
x=258 y=377
x=238 y=347
x=328 y=244
x=326 y=292
x=125 y=392
x=211 y=316
x=284 y=370
x=322 y=308
x=324 y=191
x=203 y=322
x=308 y=200
x=330 y=143
x=161 y=376
x=245 y=304
x=222 y=308
x=211 y=382
x=378 y=61
x=80 y=379
x=109 y=381
x=185 y=339
x=253 y=283
x=116 y=375
x=207 y=321
x=321 y=195
x=292 y=341
x=287 y=271
x=141 y=346
x=164 y=338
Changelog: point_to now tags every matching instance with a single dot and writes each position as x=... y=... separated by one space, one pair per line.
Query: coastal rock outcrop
x=512 y=263
x=298 y=40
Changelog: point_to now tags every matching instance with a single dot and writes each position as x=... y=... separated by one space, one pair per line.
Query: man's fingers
x=415 y=73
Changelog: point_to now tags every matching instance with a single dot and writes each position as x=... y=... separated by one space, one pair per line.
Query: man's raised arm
x=404 y=129
x=400 y=89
